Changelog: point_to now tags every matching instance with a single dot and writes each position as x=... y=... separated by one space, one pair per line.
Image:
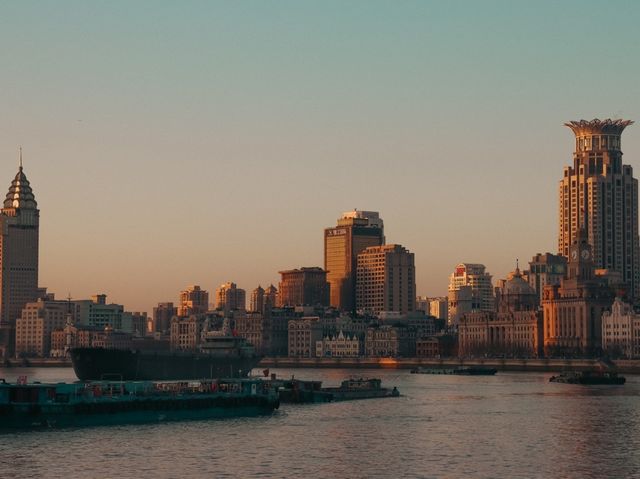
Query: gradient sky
x=176 y=143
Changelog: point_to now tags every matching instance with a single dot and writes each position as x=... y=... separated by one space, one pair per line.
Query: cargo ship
x=219 y=356
x=37 y=405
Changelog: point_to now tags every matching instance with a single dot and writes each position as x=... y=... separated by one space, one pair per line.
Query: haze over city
x=171 y=145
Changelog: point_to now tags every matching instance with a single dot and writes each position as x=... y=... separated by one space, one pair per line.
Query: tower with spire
x=19 y=232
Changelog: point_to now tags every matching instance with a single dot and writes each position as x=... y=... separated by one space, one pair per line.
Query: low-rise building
x=303 y=335
x=340 y=346
x=440 y=346
x=621 y=331
x=187 y=333
x=389 y=341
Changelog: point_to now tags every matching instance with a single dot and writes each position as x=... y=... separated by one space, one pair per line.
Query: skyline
x=167 y=150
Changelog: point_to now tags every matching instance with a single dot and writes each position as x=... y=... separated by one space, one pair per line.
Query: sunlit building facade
x=600 y=195
x=230 y=298
x=470 y=289
x=303 y=286
x=193 y=300
x=355 y=231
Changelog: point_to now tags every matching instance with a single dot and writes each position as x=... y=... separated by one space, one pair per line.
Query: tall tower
x=355 y=231
x=600 y=195
x=19 y=231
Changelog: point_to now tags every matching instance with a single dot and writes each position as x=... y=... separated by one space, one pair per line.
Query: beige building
x=187 y=333
x=302 y=287
x=339 y=346
x=439 y=308
x=256 y=302
x=162 y=315
x=389 y=341
x=478 y=296
x=355 y=231
x=515 y=329
x=36 y=323
x=546 y=269
x=304 y=333
x=385 y=280
x=230 y=298
x=193 y=300
x=621 y=331
x=573 y=310
x=19 y=231
x=599 y=195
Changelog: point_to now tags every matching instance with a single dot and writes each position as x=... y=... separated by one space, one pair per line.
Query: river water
x=506 y=426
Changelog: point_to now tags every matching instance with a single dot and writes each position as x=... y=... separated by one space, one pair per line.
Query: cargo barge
x=39 y=405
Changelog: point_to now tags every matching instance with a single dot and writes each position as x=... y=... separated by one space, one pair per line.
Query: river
x=509 y=425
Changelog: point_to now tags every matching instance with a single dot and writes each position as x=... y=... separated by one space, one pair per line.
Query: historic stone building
x=355 y=231
x=19 y=233
x=573 y=310
x=339 y=346
x=303 y=286
x=599 y=195
x=303 y=335
x=514 y=329
x=621 y=331
x=36 y=323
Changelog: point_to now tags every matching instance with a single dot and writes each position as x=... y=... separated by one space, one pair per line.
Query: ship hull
x=92 y=364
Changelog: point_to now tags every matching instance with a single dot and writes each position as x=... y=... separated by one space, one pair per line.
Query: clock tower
x=581 y=259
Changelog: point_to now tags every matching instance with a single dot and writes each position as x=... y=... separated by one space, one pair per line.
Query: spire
x=20 y=194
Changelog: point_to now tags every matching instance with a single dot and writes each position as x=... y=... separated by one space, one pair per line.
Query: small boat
x=360 y=388
x=460 y=371
x=589 y=378
x=37 y=405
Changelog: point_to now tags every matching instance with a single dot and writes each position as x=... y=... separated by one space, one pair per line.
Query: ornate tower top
x=20 y=194
x=598 y=127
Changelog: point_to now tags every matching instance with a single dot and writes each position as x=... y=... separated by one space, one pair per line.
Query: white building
x=621 y=330
x=478 y=298
x=339 y=346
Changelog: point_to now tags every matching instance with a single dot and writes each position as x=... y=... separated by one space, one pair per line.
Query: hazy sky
x=176 y=143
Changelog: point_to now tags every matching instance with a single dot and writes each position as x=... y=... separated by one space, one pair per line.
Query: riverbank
x=539 y=365
x=36 y=363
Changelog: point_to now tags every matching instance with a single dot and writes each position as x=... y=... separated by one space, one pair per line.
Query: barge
x=589 y=378
x=40 y=405
x=459 y=371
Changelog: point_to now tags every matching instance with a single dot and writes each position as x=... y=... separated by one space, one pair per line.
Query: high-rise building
x=303 y=286
x=256 y=303
x=38 y=320
x=546 y=269
x=355 y=231
x=193 y=300
x=162 y=315
x=385 y=279
x=230 y=298
x=270 y=299
x=19 y=231
x=470 y=289
x=600 y=195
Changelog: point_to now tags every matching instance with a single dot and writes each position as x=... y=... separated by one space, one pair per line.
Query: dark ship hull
x=92 y=364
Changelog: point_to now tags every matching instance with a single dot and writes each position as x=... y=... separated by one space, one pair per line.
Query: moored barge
x=37 y=405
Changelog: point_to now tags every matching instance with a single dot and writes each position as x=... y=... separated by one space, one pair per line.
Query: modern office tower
x=573 y=310
x=478 y=296
x=162 y=315
x=600 y=195
x=193 y=300
x=303 y=287
x=230 y=298
x=385 y=279
x=546 y=269
x=355 y=231
x=256 y=303
x=19 y=225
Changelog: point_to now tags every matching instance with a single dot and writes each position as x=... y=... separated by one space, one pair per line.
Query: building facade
x=230 y=298
x=339 y=346
x=19 y=236
x=162 y=315
x=355 y=231
x=599 y=195
x=256 y=302
x=388 y=341
x=304 y=333
x=470 y=289
x=193 y=300
x=37 y=321
x=303 y=287
x=573 y=310
x=546 y=269
x=385 y=280
x=621 y=331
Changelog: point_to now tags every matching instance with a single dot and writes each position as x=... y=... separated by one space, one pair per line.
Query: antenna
x=20 y=164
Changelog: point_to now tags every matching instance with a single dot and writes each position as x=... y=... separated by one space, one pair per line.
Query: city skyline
x=147 y=187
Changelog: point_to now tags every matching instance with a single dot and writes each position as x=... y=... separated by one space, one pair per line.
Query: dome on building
x=516 y=285
x=20 y=194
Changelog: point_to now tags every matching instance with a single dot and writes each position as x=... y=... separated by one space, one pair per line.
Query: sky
x=176 y=143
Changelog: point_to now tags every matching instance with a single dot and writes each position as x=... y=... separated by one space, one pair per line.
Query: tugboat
x=38 y=405
x=360 y=388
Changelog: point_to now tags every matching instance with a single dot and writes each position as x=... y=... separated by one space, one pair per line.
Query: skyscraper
x=386 y=279
x=19 y=232
x=229 y=297
x=470 y=289
x=355 y=231
x=193 y=300
x=600 y=195
x=303 y=286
